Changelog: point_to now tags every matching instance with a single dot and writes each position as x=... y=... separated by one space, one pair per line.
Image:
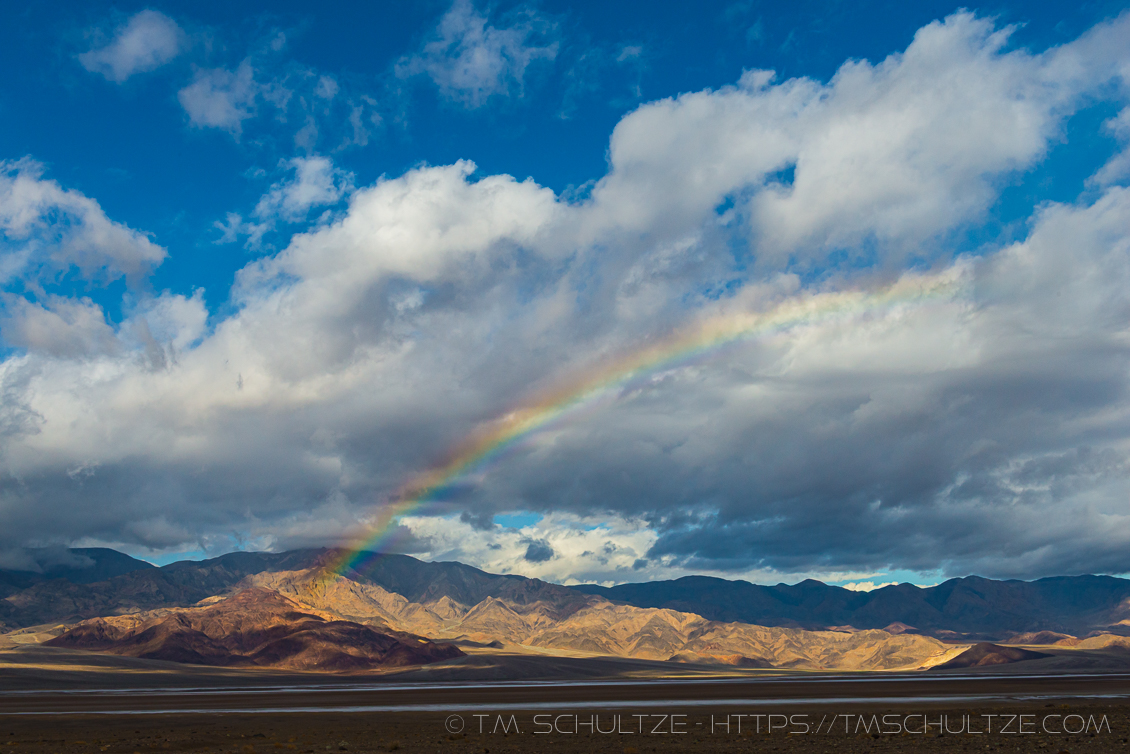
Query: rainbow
x=602 y=384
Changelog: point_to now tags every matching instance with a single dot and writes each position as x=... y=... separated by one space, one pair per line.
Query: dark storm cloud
x=538 y=551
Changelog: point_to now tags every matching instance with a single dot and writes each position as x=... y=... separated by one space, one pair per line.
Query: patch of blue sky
x=518 y=519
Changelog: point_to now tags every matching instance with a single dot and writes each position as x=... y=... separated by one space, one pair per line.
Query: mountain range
x=253 y=628
x=308 y=615
x=972 y=605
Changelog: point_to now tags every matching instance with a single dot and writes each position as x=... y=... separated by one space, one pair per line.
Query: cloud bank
x=983 y=431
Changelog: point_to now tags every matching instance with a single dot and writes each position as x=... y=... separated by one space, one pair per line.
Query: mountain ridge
x=78 y=565
x=253 y=628
x=971 y=605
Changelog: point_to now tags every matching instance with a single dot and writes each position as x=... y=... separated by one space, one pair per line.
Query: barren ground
x=60 y=701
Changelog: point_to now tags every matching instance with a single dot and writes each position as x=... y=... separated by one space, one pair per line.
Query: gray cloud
x=980 y=429
x=538 y=551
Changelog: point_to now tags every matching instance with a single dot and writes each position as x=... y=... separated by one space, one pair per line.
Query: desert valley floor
x=515 y=700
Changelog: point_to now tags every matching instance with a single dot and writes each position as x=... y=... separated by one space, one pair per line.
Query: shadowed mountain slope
x=254 y=627
x=1071 y=604
x=187 y=582
x=985 y=654
x=425 y=583
x=176 y=585
x=78 y=565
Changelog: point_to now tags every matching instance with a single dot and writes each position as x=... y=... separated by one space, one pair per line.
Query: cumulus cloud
x=311 y=182
x=315 y=183
x=46 y=230
x=60 y=327
x=975 y=426
x=560 y=547
x=470 y=60
x=884 y=158
x=147 y=41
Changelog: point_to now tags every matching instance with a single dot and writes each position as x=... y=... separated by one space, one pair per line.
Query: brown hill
x=1043 y=638
x=1105 y=641
x=601 y=627
x=257 y=628
x=985 y=653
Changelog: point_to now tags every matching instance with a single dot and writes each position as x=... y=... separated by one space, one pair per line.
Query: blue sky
x=384 y=225
x=130 y=144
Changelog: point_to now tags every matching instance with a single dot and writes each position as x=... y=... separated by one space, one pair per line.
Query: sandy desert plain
x=65 y=700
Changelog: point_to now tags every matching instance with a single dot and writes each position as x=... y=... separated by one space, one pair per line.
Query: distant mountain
x=78 y=565
x=176 y=585
x=187 y=582
x=696 y=619
x=253 y=628
x=1074 y=605
x=143 y=613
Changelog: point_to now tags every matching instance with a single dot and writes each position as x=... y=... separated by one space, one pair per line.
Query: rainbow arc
x=602 y=384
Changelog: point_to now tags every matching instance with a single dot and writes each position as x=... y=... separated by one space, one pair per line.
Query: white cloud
x=1117 y=169
x=46 y=230
x=886 y=157
x=315 y=183
x=219 y=98
x=171 y=319
x=312 y=182
x=867 y=586
x=64 y=328
x=470 y=60
x=266 y=92
x=562 y=547
x=149 y=40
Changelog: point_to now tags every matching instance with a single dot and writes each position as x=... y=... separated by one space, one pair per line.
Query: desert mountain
x=1074 y=605
x=985 y=653
x=594 y=625
x=427 y=583
x=187 y=582
x=699 y=619
x=176 y=585
x=256 y=628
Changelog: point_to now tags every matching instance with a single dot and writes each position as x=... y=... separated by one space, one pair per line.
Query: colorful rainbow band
x=699 y=342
